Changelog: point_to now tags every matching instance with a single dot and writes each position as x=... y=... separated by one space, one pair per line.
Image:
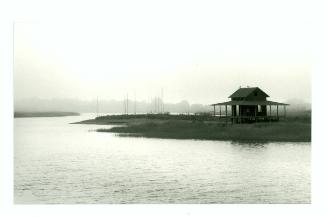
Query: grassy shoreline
x=292 y=129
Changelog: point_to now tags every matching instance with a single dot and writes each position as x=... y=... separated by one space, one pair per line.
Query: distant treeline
x=108 y=106
x=44 y=114
x=116 y=106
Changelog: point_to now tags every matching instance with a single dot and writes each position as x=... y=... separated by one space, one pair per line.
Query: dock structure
x=249 y=105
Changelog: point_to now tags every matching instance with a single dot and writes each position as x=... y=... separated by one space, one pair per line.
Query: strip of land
x=43 y=114
x=292 y=129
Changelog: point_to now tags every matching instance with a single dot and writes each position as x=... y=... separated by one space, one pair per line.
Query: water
x=57 y=162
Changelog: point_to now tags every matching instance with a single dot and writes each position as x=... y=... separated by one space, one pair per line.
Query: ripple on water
x=89 y=167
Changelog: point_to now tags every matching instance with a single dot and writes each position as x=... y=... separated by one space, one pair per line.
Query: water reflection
x=255 y=145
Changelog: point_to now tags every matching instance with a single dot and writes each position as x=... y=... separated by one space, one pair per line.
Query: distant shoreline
x=292 y=129
x=43 y=114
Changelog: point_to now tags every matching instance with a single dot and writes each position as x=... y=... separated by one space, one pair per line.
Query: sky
x=200 y=51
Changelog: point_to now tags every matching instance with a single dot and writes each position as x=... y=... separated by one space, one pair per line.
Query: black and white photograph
x=170 y=103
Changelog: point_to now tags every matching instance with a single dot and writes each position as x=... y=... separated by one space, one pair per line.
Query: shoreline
x=165 y=126
x=44 y=114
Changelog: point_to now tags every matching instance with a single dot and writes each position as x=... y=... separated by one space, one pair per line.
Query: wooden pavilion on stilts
x=248 y=105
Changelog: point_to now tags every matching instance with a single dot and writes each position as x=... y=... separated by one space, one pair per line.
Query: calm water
x=56 y=162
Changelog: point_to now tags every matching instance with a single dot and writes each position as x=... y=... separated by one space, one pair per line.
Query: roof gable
x=246 y=91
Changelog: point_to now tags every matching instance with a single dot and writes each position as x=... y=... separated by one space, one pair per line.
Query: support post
x=214 y=110
x=255 y=113
x=219 y=111
x=233 y=113
x=277 y=113
x=284 y=111
x=239 y=114
x=226 y=113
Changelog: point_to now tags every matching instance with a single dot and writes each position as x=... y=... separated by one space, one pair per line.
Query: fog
x=199 y=53
x=155 y=105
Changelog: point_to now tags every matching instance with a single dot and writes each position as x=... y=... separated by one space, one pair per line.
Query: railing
x=241 y=119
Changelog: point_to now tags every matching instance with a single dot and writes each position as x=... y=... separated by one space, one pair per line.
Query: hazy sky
x=200 y=52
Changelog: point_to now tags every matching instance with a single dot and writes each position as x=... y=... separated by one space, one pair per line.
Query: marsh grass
x=296 y=130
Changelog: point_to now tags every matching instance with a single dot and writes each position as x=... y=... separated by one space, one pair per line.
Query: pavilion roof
x=246 y=91
x=246 y=102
